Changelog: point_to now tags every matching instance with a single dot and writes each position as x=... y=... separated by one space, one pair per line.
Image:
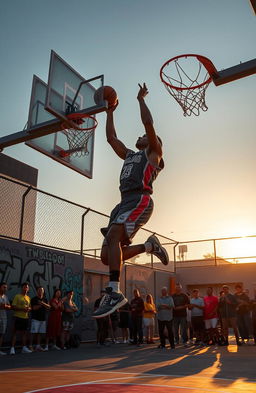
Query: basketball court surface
x=123 y=368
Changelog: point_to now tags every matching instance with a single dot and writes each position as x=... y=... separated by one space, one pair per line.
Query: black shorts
x=21 y=323
x=133 y=212
x=198 y=323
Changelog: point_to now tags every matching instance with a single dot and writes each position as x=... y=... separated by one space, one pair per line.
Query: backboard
x=52 y=143
x=49 y=130
x=68 y=91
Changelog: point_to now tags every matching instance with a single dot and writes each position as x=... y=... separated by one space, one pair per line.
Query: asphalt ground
x=123 y=368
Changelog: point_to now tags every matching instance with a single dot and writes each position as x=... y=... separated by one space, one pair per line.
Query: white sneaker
x=46 y=348
x=2 y=353
x=12 y=351
x=26 y=350
x=125 y=341
x=39 y=348
x=55 y=347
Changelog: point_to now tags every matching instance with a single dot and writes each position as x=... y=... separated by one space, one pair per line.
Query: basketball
x=106 y=93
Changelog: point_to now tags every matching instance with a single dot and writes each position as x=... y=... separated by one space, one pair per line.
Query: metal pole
x=22 y=212
x=174 y=256
x=215 y=257
x=82 y=231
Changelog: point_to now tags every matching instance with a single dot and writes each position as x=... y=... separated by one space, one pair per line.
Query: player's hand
x=143 y=91
x=112 y=107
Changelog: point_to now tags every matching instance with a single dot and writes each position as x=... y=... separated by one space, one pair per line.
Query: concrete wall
x=216 y=276
x=18 y=170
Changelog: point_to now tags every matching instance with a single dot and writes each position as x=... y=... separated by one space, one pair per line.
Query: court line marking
x=103 y=381
x=126 y=373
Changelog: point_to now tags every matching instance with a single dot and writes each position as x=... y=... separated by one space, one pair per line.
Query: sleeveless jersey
x=138 y=174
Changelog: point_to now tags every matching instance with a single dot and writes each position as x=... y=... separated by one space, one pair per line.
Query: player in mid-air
x=139 y=171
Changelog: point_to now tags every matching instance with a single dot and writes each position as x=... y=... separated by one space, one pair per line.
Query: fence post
x=215 y=257
x=174 y=256
x=82 y=231
x=22 y=212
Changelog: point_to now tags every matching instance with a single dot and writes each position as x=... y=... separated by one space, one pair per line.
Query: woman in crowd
x=54 y=320
x=149 y=319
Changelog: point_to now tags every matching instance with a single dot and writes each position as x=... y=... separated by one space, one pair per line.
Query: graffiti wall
x=44 y=267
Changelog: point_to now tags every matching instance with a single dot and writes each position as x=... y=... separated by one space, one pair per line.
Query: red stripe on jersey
x=140 y=208
x=147 y=176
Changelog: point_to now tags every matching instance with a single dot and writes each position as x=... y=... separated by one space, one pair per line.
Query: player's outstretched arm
x=147 y=120
x=119 y=148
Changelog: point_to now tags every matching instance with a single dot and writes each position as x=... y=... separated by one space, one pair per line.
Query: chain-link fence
x=35 y=216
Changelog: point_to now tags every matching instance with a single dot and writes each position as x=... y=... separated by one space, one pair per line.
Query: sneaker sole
x=118 y=305
x=154 y=239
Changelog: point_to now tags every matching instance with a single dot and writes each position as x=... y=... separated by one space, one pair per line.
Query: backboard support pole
x=238 y=71
x=26 y=135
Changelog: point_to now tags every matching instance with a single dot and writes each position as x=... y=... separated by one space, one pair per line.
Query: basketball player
x=138 y=173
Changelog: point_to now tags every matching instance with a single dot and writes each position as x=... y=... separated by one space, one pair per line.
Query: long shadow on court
x=215 y=363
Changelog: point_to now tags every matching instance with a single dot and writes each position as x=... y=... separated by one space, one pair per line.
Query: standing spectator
x=4 y=305
x=54 y=320
x=39 y=306
x=197 y=317
x=102 y=323
x=21 y=307
x=124 y=324
x=181 y=302
x=67 y=318
x=253 y=309
x=113 y=325
x=243 y=313
x=211 y=316
x=165 y=307
x=149 y=319
x=137 y=308
x=227 y=310
x=189 y=323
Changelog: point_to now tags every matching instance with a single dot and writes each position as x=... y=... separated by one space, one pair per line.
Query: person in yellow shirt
x=21 y=307
x=149 y=319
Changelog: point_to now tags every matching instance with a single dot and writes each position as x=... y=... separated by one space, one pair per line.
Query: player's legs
x=128 y=252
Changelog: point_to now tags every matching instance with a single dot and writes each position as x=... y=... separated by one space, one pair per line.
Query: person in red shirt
x=211 y=315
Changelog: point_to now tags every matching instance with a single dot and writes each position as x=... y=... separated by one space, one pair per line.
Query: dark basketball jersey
x=138 y=173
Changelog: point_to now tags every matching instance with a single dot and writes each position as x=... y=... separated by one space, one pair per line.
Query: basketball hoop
x=186 y=78
x=78 y=136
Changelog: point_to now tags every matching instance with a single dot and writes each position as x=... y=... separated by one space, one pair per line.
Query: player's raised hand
x=143 y=91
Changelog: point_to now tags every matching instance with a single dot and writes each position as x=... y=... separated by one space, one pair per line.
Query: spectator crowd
x=38 y=323
x=182 y=319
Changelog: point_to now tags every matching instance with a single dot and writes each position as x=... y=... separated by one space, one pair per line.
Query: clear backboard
x=66 y=92
x=53 y=143
x=62 y=117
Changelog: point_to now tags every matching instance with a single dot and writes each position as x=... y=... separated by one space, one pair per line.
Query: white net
x=79 y=136
x=78 y=141
x=186 y=79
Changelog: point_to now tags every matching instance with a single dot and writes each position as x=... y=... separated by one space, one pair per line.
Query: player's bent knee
x=104 y=255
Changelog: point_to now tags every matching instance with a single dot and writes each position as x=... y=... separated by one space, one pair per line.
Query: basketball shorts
x=67 y=325
x=133 y=212
x=38 y=326
x=211 y=323
x=21 y=323
x=149 y=322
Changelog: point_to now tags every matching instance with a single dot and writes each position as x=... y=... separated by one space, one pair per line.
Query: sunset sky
x=208 y=187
